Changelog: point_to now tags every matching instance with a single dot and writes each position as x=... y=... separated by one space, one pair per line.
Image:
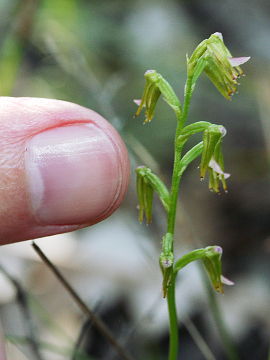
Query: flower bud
x=166 y=261
x=212 y=158
x=211 y=259
x=145 y=193
x=216 y=167
x=147 y=183
x=155 y=86
x=212 y=265
x=211 y=137
x=214 y=58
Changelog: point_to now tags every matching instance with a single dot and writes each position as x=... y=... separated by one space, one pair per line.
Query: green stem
x=188 y=95
x=188 y=258
x=176 y=178
x=173 y=350
x=174 y=190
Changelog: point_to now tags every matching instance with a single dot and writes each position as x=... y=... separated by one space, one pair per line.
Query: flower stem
x=173 y=350
x=188 y=94
x=174 y=191
x=176 y=178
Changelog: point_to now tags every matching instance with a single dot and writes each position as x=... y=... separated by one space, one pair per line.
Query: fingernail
x=72 y=173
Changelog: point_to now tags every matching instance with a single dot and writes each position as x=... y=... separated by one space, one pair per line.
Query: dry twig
x=100 y=325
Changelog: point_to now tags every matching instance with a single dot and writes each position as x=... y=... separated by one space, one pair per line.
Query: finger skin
x=20 y=120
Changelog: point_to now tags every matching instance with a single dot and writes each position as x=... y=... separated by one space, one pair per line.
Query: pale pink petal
x=137 y=101
x=223 y=130
x=218 y=249
x=215 y=166
x=237 y=61
x=226 y=281
x=219 y=35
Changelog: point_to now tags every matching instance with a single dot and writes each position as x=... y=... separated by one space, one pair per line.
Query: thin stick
x=105 y=331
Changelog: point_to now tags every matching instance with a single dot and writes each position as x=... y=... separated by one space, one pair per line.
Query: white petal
x=149 y=72
x=167 y=263
x=236 y=61
x=219 y=35
x=215 y=166
x=226 y=281
x=137 y=101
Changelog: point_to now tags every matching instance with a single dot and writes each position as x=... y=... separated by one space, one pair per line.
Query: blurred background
x=95 y=53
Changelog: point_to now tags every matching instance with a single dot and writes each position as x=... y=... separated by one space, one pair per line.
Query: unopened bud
x=212 y=265
x=155 y=86
x=211 y=137
x=145 y=193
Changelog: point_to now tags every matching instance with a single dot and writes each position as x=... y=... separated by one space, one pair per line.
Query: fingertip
x=70 y=165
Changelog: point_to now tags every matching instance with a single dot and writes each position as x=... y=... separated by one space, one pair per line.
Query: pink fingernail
x=73 y=174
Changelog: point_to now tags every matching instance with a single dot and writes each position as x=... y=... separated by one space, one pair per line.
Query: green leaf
x=190 y=130
x=190 y=156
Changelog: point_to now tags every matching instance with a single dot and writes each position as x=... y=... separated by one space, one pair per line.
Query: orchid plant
x=214 y=59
